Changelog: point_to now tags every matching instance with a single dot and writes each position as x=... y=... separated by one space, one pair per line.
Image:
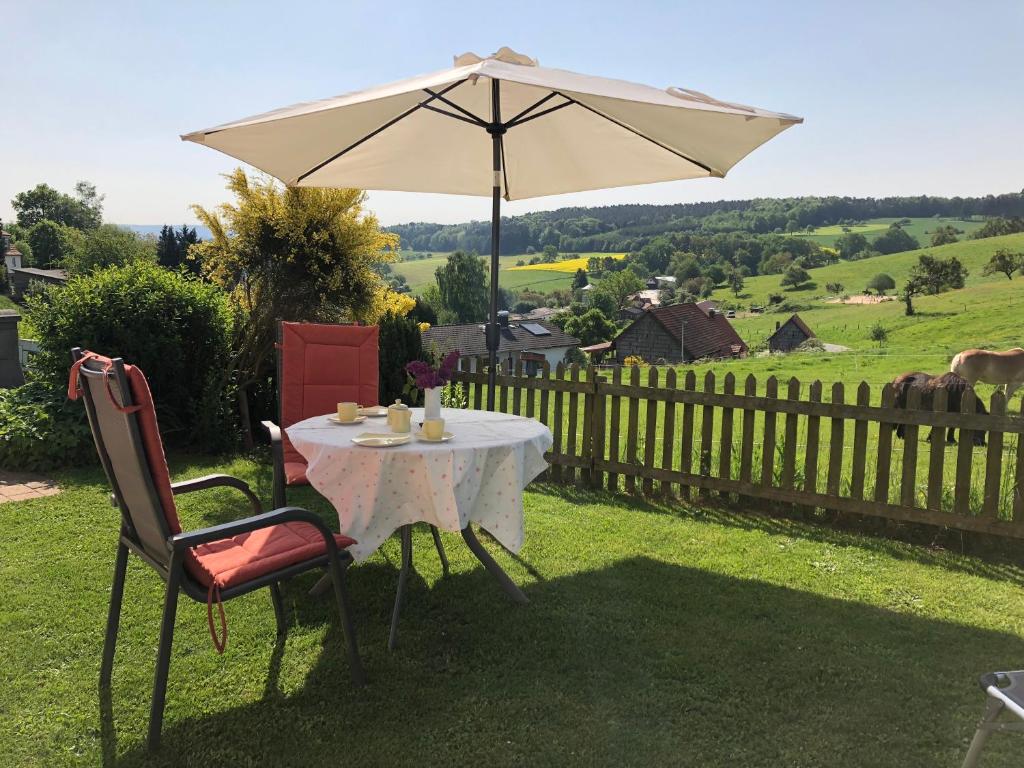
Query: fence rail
x=654 y=431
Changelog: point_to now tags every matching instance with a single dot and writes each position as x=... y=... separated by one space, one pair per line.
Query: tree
x=106 y=246
x=399 y=342
x=300 y=253
x=880 y=283
x=52 y=243
x=850 y=245
x=618 y=286
x=999 y=226
x=931 y=276
x=83 y=210
x=715 y=274
x=462 y=284
x=944 y=235
x=895 y=240
x=422 y=312
x=736 y=283
x=550 y=254
x=167 y=247
x=579 y=280
x=879 y=333
x=592 y=327
x=795 y=276
x=683 y=266
x=834 y=288
x=1004 y=261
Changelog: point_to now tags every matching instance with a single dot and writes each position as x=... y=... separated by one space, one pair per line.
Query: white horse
x=1004 y=369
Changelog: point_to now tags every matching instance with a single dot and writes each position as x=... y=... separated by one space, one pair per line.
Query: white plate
x=334 y=418
x=444 y=438
x=373 y=411
x=381 y=440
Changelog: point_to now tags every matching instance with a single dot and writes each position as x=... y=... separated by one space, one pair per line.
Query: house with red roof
x=679 y=333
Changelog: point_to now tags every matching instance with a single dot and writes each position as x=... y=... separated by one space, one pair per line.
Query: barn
x=789 y=335
x=679 y=333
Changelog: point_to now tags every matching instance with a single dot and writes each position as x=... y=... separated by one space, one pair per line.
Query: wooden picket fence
x=654 y=432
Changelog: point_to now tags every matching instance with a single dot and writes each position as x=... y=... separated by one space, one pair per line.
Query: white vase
x=432 y=403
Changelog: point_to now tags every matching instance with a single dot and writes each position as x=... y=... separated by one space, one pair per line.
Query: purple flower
x=427 y=377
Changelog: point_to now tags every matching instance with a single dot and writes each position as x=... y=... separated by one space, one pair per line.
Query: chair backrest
x=123 y=423
x=321 y=365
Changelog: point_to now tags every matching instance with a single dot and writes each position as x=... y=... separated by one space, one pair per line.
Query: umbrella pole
x=497 y=130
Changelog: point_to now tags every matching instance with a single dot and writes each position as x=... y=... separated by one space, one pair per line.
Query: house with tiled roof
x=12 y=256
x=532 y=343
x=679 y=333
x=789 y=335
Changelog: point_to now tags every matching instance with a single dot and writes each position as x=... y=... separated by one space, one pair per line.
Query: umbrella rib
x=446 y=113
x=453 y=105
x=504 y=167
x=532 y=107
x=549 y=110
x=634 y=131
x=374 y=132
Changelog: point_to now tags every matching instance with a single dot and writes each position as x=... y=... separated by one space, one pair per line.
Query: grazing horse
x=956 y=387
x=1004 y=369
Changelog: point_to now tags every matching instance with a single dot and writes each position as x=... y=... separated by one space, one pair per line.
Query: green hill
x=985 y=313
x=919 y=228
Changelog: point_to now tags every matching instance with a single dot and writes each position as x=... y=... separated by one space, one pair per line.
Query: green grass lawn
x=7 y=303
x=655 y=635
x=920 y=228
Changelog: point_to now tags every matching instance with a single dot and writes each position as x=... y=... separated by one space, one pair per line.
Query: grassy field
x=542 y=278
x=920 y=228
x=567 y=265
x=655 y=635
x=7 y=303
x=979 y=315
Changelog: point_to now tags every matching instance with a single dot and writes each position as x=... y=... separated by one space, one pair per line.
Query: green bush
x=174 y=327
x=40 y=429
x=400 y=342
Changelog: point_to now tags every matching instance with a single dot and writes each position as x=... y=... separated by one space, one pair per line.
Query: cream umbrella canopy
x=500 y=126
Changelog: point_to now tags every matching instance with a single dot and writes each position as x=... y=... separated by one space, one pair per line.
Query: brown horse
x=1004 y=369
x=956 y=387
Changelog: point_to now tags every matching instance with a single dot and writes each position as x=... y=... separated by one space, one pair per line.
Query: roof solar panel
x=536 y=329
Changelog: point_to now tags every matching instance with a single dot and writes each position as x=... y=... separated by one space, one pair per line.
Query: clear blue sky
x=899 y=97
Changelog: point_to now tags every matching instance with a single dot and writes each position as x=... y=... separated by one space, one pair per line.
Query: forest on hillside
x=624 y=228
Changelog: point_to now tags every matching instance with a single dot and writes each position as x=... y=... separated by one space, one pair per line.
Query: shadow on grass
x=638 y=663
x=990 y=557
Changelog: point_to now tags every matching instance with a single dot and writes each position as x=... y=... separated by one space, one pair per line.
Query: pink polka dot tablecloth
x=476 y=477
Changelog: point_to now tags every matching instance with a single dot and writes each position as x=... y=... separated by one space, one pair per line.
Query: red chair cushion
x=248 y=556
x=295 y=473
x=321 y=366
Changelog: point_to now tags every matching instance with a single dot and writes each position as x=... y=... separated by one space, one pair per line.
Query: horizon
x=907 y=122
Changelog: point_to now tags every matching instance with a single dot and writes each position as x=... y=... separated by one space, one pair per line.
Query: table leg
x=405 y=534
x=484 y=557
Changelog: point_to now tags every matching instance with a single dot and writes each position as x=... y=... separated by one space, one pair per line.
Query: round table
x=476 y=477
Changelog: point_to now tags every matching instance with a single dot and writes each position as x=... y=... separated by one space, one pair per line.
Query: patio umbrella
x=500 y=126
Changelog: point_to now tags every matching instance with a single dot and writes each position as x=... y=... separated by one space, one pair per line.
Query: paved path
x=18 y=486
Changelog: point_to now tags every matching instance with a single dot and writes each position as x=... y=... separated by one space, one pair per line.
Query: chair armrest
x=216 y=481
x=277 y=457
x=189 y=539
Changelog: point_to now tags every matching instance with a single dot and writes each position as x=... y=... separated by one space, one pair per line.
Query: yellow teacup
x=433 y=429
x=348 y=411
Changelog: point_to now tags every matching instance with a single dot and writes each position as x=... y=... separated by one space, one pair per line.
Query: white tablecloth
x=476 y=477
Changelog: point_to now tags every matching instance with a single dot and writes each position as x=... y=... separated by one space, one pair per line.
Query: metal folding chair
x=1005 y=691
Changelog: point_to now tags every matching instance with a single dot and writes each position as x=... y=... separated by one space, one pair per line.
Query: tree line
x=621 y=228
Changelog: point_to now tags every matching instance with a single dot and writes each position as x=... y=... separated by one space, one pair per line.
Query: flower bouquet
x=431 y=379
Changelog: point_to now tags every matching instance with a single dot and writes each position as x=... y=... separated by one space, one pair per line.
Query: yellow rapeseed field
x=569 y=265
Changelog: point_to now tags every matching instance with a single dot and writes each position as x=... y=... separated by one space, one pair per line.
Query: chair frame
x=173 y=571
x=993 y=685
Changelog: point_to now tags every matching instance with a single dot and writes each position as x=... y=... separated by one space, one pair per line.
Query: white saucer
x=373 y=411
x=444 y=438
x=334 y=418
x=381 y=440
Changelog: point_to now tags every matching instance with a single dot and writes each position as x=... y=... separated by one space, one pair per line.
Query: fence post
x=593 y=427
